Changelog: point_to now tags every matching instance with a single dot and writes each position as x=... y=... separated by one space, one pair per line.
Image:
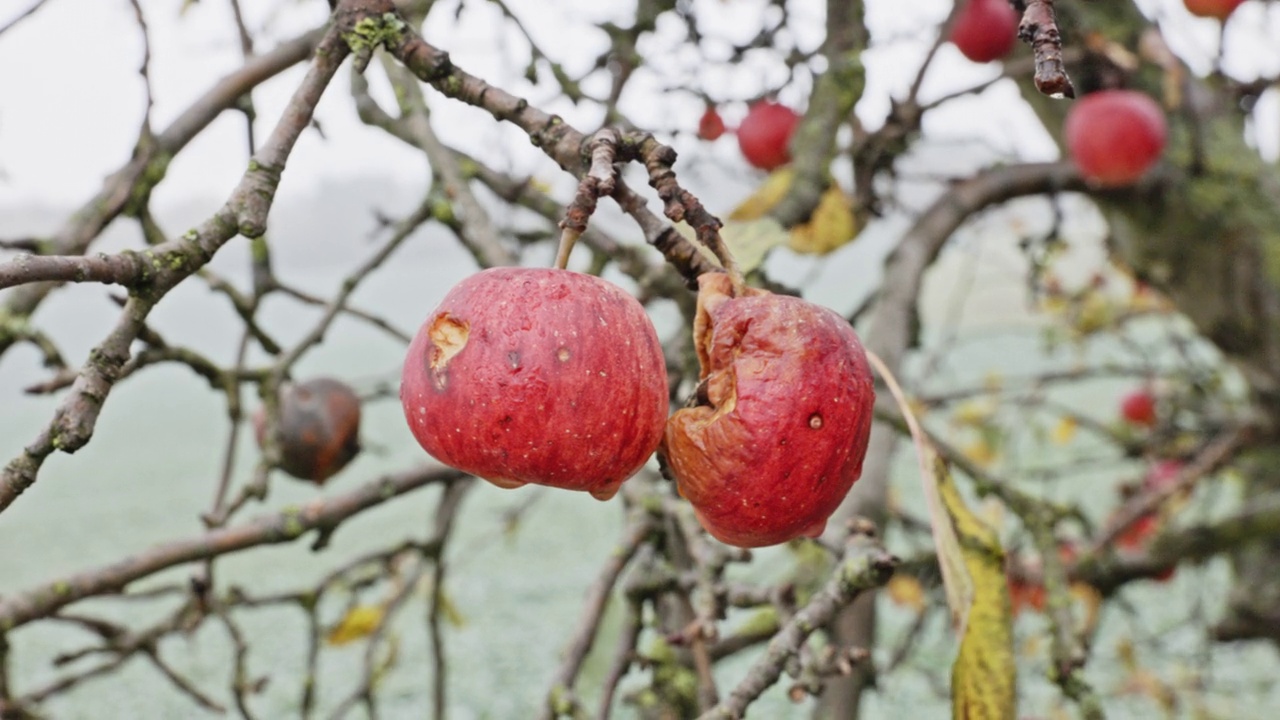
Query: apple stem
x=568 y=238
x=717 y=246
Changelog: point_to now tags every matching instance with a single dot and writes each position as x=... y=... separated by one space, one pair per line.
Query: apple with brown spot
x=538 y=375
x=785 y=415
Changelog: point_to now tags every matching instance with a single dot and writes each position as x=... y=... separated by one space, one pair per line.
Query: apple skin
x=1139 y=408
x=1115 y=136
x=985 y=30
x=785 y=430
x=537 y=375
x=765 y=133
x=319 y=428
x=1220 y=9
x=710 y=125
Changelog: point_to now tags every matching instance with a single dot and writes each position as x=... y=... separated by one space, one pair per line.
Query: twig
x=22 y=16
x=245 y=212
x=639 y=527
x=445 y=516
x=281 y=527
x=865 y=565
x=1039 y=29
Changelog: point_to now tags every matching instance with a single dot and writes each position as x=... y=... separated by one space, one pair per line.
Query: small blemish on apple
x=815 y=421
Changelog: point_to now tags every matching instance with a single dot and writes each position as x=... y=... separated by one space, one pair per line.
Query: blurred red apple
x=1139 y=408
x=1219 y=9
x=1025 y=595
x=1137 y=536
x=1162 y=474
x=710 y=125
x=985 y=30
x=765 y=133
x=780 y=436
x=1115 y=136
x=319 y=428
x=534 y=375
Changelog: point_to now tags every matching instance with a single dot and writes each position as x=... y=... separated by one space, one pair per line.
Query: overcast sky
x=71 y=98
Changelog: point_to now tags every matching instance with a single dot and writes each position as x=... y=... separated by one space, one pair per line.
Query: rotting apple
x=538 y=375
x=710 y=125
x=779 y=437
x=319 y=428
x=764 y=135
x=1115 y=136
x=985 y=30
x=1139 y=408
x=1220 y=9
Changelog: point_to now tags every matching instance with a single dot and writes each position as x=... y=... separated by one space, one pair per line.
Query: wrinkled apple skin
x=783 y=437
x=537 y=375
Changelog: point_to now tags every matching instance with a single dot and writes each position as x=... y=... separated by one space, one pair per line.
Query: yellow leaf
x=750 y=241
x=766 y=197
x=360 y=621
x=1096 y=313
x=983 y=678
x=981 y=452
x=984 y=675
x=449 y=609
x=831 y=225
x=974 y=412
x=905 y=591
x=1091 y=600
x=1064 y=430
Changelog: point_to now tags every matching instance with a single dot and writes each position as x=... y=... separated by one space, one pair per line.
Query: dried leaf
x=360 y=621
x=983 y=678
x=766 y=197
x=1065 y=430
x=984 y=674
x=750 y=241
x=906 y=591
x=831 y=226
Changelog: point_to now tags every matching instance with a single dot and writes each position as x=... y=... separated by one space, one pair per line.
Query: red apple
x=1162 y=474
x=783 y=430
x=1137 y=536
x=535 y=375
x=1025 y=595
x=1139 y=532
x=319 y=428
x=1139 y=408
x=765 y=134
x=985 y=30
x=1114 y=136
x=710 y=125
x=1219 y=9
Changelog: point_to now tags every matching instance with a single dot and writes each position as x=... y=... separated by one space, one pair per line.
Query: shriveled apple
x=538 y=375
x=319 y=428
x=785 y=415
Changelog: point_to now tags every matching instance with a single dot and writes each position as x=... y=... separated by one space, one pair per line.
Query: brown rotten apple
x=319 y=428
x=787 y=414
x=535 y=375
